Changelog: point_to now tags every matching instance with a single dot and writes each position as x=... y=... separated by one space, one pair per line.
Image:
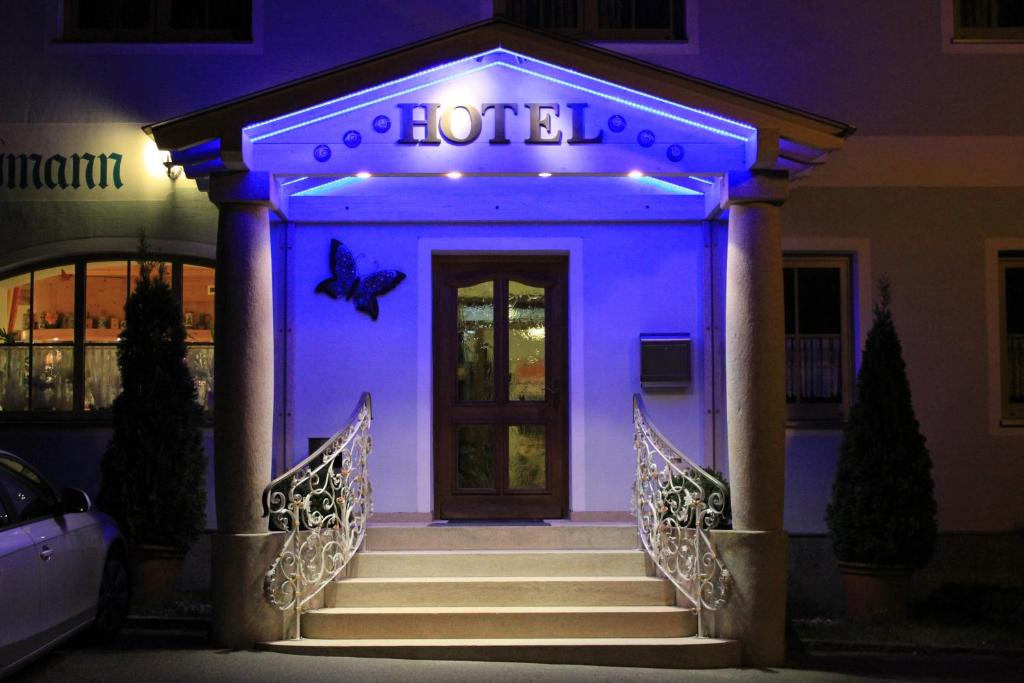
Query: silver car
x=62 y=566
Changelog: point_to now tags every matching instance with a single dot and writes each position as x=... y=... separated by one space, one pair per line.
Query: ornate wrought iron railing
x=677 y=503
x=323 y=503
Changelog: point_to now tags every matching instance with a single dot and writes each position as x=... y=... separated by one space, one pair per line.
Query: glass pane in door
x=475 y=456
x=526 y=456
x=475 y=369
x=526 y=333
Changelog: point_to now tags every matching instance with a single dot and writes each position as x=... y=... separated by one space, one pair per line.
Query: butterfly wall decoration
x=347 y=284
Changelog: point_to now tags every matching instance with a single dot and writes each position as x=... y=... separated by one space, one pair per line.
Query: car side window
x=29 y=500
x=6 y=518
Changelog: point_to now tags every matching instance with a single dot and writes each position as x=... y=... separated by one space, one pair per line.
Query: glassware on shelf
x=53 y=378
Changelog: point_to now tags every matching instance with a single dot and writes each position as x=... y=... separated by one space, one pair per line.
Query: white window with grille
x=819 y=339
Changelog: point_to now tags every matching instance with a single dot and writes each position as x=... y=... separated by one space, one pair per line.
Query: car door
x=19 y=588
x=83 y=571
x=35 y=507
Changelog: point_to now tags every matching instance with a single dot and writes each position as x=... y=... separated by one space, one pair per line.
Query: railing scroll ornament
x=677 y=504
x=323 y=503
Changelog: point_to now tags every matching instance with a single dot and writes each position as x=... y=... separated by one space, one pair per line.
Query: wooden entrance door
x=500 y=380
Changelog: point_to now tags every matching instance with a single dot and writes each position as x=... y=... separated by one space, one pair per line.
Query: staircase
x=566 y=593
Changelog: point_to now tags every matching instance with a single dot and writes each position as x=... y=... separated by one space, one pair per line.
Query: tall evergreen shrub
x=883 y=508
x=154 y=466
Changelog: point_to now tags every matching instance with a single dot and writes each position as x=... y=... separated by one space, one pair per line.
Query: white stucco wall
x=624 y=280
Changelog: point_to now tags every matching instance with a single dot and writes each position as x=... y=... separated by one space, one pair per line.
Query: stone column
x=756 y=410
x=244 y=363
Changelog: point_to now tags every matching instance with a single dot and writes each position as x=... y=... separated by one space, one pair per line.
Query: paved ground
x=154 y=659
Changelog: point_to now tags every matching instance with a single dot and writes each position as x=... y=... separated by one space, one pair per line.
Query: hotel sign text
x=427 y=123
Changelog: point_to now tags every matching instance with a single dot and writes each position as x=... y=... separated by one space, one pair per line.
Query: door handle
x=46 y=553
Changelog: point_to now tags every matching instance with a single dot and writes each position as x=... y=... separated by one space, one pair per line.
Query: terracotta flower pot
x=154 y=569
x=875 y=590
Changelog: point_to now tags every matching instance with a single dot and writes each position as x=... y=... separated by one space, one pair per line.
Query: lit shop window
x=988 y=20
x=1011 y=300
x=157 y=21
x=197 y=293
x=601 y=19
x=59 y=328
x=107 y=285
x=52 y=372
x=819 y=365
x=15 y=339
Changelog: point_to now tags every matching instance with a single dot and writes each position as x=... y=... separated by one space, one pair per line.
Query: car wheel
x=115 y=593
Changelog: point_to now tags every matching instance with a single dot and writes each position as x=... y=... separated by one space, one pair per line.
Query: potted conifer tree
x=154 y=467
x=882 y=512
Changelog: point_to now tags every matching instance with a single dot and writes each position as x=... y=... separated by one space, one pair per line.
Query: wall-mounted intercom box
x=665 y=363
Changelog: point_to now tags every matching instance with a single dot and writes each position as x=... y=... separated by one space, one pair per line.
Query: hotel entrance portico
x=495 y=141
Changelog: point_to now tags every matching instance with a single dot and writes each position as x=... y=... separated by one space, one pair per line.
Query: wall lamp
x=173 y=169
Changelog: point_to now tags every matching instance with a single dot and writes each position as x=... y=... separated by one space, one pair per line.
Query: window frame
x=588 y=26
x=1010 y=415
x=78 y=413
x=983 y=34
x=811 y=414
x=159 y=32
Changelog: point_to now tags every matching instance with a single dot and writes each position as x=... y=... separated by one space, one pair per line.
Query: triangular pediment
x=497 y=99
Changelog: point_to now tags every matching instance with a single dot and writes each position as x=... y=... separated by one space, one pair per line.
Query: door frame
x=496 y=262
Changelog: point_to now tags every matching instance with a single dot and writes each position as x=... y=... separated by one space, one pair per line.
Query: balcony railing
x=814 y=368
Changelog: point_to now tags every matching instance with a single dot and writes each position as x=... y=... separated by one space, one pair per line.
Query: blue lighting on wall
x=629 y=103
x=327 y=187
x=665 y=185
x=579 y=74
x=597 y=93
x=370 y=103
x=403 y=79
x=703 y=181
x=294 y=180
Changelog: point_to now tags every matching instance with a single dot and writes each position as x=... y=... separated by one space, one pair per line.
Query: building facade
x=546 y=203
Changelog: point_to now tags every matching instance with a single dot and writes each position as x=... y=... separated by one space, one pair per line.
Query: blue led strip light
x=671 y=187
x=376 y=101
x=628 y=103
x=333 y=185
x=295 y=180
x=403 y=79
x=579 y=74
x=701 y=180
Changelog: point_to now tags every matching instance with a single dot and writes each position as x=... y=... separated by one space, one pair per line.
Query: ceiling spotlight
x=636 y=174
x=363 y=174
x=454 y=175
x=545 y=174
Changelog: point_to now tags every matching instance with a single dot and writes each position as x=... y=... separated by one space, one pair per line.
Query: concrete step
x=422 y=563
x=665 y=653
x=456 y=537
x=352 y=623
x=499 y=591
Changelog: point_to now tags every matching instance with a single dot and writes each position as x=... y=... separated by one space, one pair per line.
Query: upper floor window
x=601 y=19
x=157 y=21
x=59 y=328
x=988 y=20
x=1011 y=304
x=819 y=340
